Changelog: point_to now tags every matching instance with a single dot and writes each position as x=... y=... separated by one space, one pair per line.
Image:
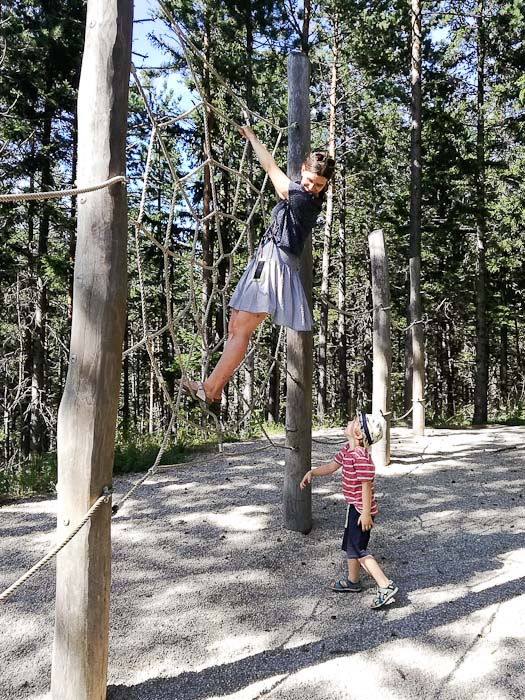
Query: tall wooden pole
x=88 y=410
x=297 y=504
x=382 y=343
x=416 y=326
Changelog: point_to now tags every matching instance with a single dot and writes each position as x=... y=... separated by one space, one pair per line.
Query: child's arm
x=365 y=519
x=323 y=470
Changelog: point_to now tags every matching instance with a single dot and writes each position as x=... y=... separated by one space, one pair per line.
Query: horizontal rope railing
x=58 y=194
x=105 y=498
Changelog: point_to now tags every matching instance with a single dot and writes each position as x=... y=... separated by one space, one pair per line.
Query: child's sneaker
x=384 y=595
x=344 y=585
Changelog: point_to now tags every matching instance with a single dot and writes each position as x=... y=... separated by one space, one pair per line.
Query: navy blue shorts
x=355 y=541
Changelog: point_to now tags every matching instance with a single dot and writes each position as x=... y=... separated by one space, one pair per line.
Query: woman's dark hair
x=320 y=163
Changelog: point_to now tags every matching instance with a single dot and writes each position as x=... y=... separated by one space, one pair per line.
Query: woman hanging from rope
x=271 y=284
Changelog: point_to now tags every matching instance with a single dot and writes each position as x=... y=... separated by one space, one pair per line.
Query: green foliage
x=140 y=454
x=247 y=44
x=460 y=419
x=35 y=475
x=513 y=417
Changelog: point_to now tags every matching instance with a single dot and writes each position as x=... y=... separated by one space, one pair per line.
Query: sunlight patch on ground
x=513 y=568
x=442 y=515
x=475 y=667
x=355 y=676
x=235 y=647
x=429 y=598
x=240 y=519
x=202 y=582
x=180 y=487
x=235 y=468
x=485 y=645
x=485 y=515
x=255 y=690
x=37 y=507
x=407 y=655
x=131 y=534
x=19 y=623
x=320 y=491
x=32 y=549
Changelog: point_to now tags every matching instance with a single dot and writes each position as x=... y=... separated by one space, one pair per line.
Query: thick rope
x=105 y=498
x=58 y=194
x=185 y=346
x=187 y=45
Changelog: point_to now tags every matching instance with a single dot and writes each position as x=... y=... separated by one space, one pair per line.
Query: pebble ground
x=213 y=598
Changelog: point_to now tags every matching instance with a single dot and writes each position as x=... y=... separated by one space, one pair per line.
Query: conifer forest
x=423 y=106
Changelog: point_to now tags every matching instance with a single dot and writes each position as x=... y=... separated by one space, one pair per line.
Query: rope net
x=192 y=235
x=196 y=223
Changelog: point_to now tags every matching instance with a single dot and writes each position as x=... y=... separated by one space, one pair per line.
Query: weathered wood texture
x=297 y=504
x=382 y=344
x=88 y=410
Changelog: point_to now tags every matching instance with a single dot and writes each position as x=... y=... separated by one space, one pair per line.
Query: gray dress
x=271 y=282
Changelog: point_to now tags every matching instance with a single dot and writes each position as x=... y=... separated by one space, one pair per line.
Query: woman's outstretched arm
x=280 y=180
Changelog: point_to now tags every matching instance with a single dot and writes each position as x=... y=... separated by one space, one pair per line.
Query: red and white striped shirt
x=357 y=467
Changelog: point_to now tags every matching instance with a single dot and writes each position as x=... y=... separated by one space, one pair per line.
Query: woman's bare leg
x=242 y=325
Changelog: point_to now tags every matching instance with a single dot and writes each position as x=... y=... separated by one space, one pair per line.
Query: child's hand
x=307 y=479
x=366 y=522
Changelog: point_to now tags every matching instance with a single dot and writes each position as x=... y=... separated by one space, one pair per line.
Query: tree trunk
x=416 y=327
x=72 y=244
x=38 y=398
x=208 y=228
x=126 y=418
x=450 y=374
x=408 y=373
x=88 y=410
x=503 y=366
x=25 y=401
x=305 y=34
x=6 y=437
x=482 y=334
x=275 y=381
x=517 y=340
x=322 y=375
x=25 y=413
x=151 y=395
x=249 y=365
x=345 y=408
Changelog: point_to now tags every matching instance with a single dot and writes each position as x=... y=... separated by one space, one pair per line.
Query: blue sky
x=146 y=55
x=140 y=30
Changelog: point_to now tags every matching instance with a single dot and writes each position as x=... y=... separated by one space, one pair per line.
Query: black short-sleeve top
x=294 y=218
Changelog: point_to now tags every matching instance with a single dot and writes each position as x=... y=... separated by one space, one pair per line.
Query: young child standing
x=358 y=489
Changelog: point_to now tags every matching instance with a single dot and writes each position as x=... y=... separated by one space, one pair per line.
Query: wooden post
x=382 y=344
x=88 y=410
x=297 y=504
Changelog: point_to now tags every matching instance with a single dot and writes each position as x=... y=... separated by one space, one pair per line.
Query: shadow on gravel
x=229 y=678
x=439 y=529
x=205 y=573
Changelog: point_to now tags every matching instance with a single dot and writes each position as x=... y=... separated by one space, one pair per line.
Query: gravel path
x=212 y=598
